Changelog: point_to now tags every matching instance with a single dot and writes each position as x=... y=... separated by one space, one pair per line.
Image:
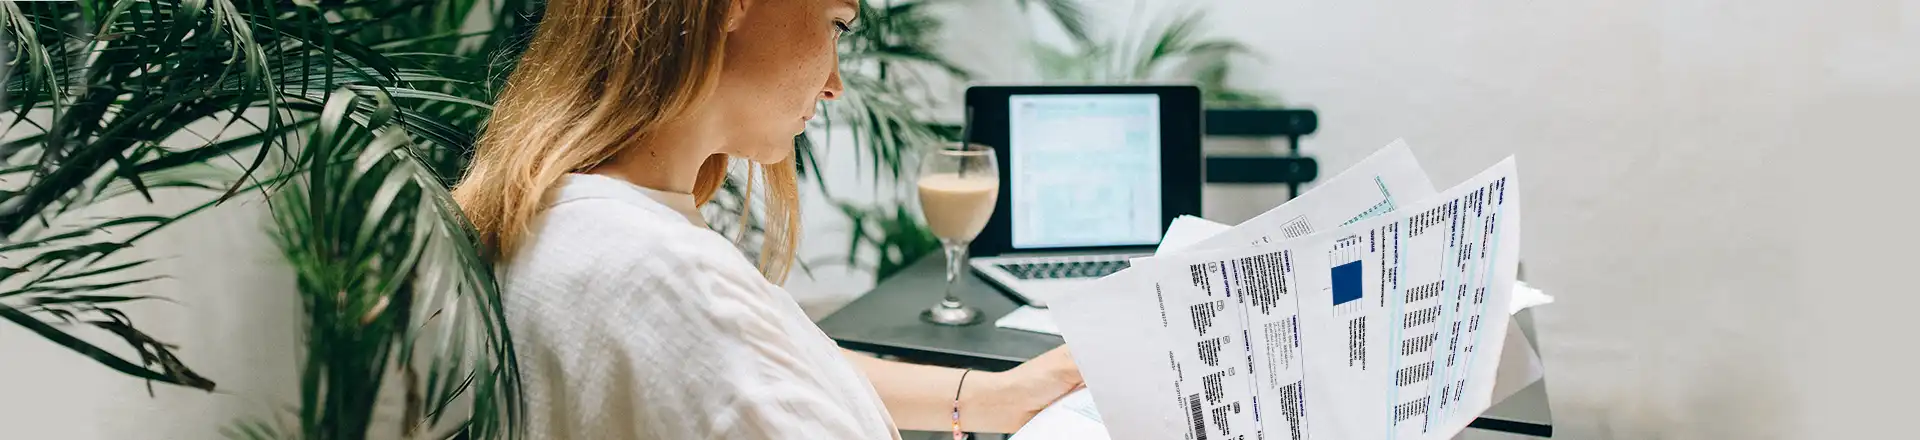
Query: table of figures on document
x=1410 y=299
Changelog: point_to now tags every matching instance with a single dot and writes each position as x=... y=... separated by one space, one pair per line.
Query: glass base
x=951 y=313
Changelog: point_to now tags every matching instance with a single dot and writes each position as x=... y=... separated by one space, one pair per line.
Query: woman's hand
x=1003 y=402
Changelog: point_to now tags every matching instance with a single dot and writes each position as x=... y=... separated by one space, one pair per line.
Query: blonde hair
x=600 y=76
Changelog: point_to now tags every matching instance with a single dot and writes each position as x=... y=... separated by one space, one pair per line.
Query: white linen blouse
x=633 y=320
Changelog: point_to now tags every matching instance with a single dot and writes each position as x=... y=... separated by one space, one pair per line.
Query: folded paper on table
x=1216 y=316
x=1030 y=319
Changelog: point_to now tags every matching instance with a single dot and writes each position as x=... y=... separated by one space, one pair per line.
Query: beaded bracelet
x=957 y=435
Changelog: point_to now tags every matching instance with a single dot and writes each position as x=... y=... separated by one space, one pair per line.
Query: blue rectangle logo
x=1346 y=283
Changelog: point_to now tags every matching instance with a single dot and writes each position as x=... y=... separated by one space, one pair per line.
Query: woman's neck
x=669 y=157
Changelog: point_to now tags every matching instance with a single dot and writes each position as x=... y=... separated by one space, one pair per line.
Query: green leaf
x=93 y=272
x=168 y=374
x=1071 y=16
x=43 y=289
x=90 y=299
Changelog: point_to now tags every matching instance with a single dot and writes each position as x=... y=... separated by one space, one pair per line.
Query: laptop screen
x=1084 y=170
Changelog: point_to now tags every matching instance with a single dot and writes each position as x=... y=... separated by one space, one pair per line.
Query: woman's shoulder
x=616 y=264
x=596 y=245
x=614 y=234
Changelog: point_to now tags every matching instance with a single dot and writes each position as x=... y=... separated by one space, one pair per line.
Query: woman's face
x=780 y=59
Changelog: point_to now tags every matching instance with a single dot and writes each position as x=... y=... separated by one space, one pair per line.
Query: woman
x=631 y=318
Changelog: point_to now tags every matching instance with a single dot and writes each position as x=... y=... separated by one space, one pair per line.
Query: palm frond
x=1178 y=41
x=388 y=272
x=1069 y=13
x=103 y=91
x=896 y=235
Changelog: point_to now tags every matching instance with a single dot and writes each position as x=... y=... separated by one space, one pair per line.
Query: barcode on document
x=1194 y=417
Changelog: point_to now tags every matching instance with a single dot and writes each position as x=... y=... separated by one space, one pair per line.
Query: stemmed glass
x=959 y=185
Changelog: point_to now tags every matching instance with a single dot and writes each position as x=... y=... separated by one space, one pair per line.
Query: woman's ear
x=736 y=11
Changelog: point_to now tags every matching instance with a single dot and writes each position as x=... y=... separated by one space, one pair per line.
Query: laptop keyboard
x=1063 y=269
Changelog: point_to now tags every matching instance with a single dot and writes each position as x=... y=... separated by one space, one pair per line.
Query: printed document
x=1118 y=353
x=1342 y=314
x=1387 y=328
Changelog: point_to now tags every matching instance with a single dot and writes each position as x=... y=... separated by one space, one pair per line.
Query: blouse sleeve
x=678 y=346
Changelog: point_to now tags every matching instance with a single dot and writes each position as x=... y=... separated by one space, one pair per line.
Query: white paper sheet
x=1115 y=329
x=1266 y=321
x=1403 y=316
x=1115 y=353
x=1187 y=230
x=1207 y=295
x=1030 y=319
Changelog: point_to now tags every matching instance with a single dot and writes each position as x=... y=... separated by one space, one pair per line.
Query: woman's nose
x=834 y=88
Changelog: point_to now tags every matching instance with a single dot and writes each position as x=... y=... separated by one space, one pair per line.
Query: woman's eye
x=840 y=28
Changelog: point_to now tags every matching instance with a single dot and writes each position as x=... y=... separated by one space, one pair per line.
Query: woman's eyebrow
x=855 y=6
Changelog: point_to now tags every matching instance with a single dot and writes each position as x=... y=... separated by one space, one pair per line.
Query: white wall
x=234 y=323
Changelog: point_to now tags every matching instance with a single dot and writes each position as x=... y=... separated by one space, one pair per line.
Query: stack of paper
x=1372 y=307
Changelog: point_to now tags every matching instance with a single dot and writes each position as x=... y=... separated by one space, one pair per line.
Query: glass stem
x=956 y=265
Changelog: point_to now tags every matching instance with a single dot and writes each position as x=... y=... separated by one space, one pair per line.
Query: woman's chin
x=773 y=155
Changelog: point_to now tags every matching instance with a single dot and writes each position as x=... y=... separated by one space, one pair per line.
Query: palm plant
x=373 y=235
x=113 y=98
x=354 y=115
x=1175 y=49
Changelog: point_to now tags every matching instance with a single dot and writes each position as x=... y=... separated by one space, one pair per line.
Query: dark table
x=886 y=321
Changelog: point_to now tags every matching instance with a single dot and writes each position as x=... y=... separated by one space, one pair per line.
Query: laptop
x=1091 y=176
